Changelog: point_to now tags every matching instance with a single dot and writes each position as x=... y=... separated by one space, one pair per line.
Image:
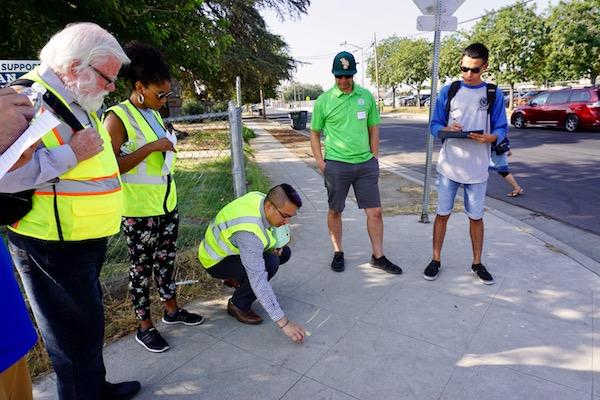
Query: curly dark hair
x=147 y=65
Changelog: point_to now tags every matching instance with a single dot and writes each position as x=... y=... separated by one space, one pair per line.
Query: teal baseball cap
x=344 y=64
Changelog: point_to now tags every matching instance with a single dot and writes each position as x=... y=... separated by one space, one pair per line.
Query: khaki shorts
x=363 y=177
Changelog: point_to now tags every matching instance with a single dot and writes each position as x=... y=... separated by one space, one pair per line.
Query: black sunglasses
x=475 y=70
x=343 y=76
x=108 y=80
x=161 y=95
x=283 y=215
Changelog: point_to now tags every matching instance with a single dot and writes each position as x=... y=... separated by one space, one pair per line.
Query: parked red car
x=569 y=108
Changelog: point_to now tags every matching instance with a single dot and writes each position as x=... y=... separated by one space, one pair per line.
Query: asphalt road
x=559 y=171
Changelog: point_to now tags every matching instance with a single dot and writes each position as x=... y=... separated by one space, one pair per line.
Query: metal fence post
x=238 y=90
x=237 y=149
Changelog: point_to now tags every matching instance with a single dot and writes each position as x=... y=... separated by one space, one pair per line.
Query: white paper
x=169 y=156
x=361 y=115
x=42 y=124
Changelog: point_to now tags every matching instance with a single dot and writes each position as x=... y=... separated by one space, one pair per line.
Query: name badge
x=361 y=115
x=456 y=114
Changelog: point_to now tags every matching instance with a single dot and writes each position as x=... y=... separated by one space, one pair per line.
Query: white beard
x=90 y=103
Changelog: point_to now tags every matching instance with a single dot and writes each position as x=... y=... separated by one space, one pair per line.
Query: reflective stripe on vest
x=243 y=214
x=86 y=202
x=148 y=191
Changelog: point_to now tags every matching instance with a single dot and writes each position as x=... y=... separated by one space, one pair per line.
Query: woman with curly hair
x=150 y=222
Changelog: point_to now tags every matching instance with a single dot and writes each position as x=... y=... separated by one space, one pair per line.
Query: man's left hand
x=483 y=137
x=277 y=252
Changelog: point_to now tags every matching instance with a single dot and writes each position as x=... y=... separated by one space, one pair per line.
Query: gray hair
x=82 y=41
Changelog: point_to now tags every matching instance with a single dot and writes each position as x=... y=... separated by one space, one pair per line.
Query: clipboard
x=456 y=135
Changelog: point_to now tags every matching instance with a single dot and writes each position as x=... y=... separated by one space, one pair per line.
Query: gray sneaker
x=151 y=340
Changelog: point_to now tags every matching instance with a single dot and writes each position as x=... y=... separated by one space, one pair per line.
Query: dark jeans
x=231 y=268
x=61 y=281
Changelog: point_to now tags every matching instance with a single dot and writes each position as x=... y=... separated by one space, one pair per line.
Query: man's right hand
x=454 y=127
x=86 y=144
x=294 y=331
x=321 y=165
x=17 y=111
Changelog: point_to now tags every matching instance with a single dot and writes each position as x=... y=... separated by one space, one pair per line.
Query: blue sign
x=13 y=69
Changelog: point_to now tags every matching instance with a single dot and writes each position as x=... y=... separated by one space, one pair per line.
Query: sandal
x=515 y=193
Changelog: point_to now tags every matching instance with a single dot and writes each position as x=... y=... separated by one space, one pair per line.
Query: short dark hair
x=477 y=50
x=147 y=65
x=279 y=194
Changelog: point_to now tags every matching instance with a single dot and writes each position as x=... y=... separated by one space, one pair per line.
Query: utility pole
x=377 y=73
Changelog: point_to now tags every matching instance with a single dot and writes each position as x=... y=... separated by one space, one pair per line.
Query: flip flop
x=515 y=193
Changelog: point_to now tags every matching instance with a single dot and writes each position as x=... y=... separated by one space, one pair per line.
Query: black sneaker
x=385 y=264
x=338 y=261
x=182 y=317
x=151 y=340
x=481 y=272
x=120 y=391
x=432 y=271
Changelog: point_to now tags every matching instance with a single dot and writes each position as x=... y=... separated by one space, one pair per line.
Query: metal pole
x=434 y=84
x=362 y=61
x=238 y=90
x=237 y=150
x=377 y=73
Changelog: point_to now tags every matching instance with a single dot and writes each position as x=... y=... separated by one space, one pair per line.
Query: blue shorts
x=499 y=162
x=474 y=197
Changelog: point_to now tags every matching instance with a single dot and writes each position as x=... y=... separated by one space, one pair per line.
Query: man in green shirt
x=348 y=116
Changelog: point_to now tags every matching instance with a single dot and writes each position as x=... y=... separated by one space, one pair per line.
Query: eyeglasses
x=475 y=70
x=108 y=80
x=161 y=95
x=283 y=215
x=343 y=76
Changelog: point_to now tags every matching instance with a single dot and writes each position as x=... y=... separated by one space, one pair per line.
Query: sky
x=315 y=38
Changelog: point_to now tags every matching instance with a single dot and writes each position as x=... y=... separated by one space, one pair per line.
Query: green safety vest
x=86 y=202
x=245 y=213
x=148 y=191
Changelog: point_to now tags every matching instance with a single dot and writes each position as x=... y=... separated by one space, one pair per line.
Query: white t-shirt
x=465 y=160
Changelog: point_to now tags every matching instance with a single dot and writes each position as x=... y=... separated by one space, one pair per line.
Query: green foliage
x=515 y=38
x=192 y=107
x=389 y=76
x=573 y=46
x=205 y=41
x=301 y=90
x=450 y=55
x=247 y=134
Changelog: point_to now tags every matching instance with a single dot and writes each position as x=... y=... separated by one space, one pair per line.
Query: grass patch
x=204 y=186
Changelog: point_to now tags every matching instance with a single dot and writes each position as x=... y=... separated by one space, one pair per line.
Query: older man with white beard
x=59 y=246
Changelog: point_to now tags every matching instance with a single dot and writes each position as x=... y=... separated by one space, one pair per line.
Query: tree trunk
x=593 y=76
x=419 y=98
x=262 y=102
x=394 y=96
x=510 y=96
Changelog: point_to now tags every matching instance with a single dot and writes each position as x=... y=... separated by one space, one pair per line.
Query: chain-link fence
x=209 y=173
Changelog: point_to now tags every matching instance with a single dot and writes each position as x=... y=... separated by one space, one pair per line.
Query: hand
x=321 y=165
x=163 y=144
x=15 y=113
x=483 y=137
x=293 y=331
x=86 y=143
x=454 y=127
x=278 y=252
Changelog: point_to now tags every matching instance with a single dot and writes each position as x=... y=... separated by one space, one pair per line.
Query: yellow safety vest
x=147 y=190
x=87 y=200
x=245 y=213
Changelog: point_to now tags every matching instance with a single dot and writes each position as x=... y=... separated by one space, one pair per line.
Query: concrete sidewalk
x=532 y=335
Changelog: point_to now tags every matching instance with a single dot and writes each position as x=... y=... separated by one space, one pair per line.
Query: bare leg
x=334 y=223
x=476 y=231
x=375 y=230
x=439 y=232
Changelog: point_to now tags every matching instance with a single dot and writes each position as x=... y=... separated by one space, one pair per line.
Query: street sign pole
x=432 y=102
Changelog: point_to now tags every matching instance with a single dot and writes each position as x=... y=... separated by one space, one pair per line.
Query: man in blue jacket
x=17 y=335
x=465 y=161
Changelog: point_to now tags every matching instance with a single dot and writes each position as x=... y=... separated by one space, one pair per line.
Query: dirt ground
x=399 y=196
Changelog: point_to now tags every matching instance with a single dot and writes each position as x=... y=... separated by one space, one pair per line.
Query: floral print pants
x=151 y=246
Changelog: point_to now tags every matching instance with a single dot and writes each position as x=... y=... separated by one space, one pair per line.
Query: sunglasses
x=343 y=76
x=475 y=70
x=161 y=95
x=108 y=80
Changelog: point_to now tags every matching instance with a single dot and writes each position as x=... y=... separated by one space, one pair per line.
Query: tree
x=573 y=48
x=450 y=55
x=388 y=73
x=299 y=91
x=413 y=62
x=515 y=37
